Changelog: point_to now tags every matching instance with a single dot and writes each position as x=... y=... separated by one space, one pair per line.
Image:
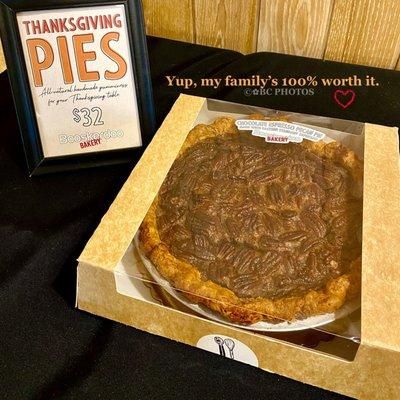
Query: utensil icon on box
x=229 y=343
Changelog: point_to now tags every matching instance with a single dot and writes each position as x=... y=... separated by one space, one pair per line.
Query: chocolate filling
x=260 y=219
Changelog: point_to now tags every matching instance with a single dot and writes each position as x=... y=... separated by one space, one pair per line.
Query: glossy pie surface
x=266 y=223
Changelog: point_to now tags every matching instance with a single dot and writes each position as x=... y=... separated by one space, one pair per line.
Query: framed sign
x=80 y=78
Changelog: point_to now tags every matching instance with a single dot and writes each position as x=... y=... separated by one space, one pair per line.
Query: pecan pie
x=258 y=231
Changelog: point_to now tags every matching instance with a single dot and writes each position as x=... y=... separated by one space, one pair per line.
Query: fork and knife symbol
x=229 y=343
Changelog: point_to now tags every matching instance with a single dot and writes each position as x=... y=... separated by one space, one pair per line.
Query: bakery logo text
x=42 y=54
x=91 y=139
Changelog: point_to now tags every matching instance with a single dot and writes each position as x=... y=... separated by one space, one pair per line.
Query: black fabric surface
x=51 y=350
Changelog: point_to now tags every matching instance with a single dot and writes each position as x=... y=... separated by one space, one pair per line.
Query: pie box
x=364 y=364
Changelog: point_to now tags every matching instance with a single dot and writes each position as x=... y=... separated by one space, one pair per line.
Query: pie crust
x=304 y=259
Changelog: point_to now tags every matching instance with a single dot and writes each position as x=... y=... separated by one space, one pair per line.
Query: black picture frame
x=18 y=76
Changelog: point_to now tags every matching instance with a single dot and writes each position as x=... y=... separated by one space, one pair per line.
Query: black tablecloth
x=51 y=350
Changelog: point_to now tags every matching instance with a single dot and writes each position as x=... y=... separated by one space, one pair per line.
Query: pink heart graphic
x=344 y=98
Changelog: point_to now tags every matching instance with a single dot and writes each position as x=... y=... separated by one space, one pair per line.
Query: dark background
x=48 y=349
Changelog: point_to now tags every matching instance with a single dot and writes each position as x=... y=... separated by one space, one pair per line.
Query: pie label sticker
x=228 y=347
x=279 y=131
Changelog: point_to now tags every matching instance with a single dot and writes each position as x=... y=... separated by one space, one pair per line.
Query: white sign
x=81 y=78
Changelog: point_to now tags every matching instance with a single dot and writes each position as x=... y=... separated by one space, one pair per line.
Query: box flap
x=117 y=228
x=380 y=310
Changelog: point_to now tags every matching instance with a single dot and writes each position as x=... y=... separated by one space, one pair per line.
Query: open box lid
x=381 y=275
x=380 y=294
